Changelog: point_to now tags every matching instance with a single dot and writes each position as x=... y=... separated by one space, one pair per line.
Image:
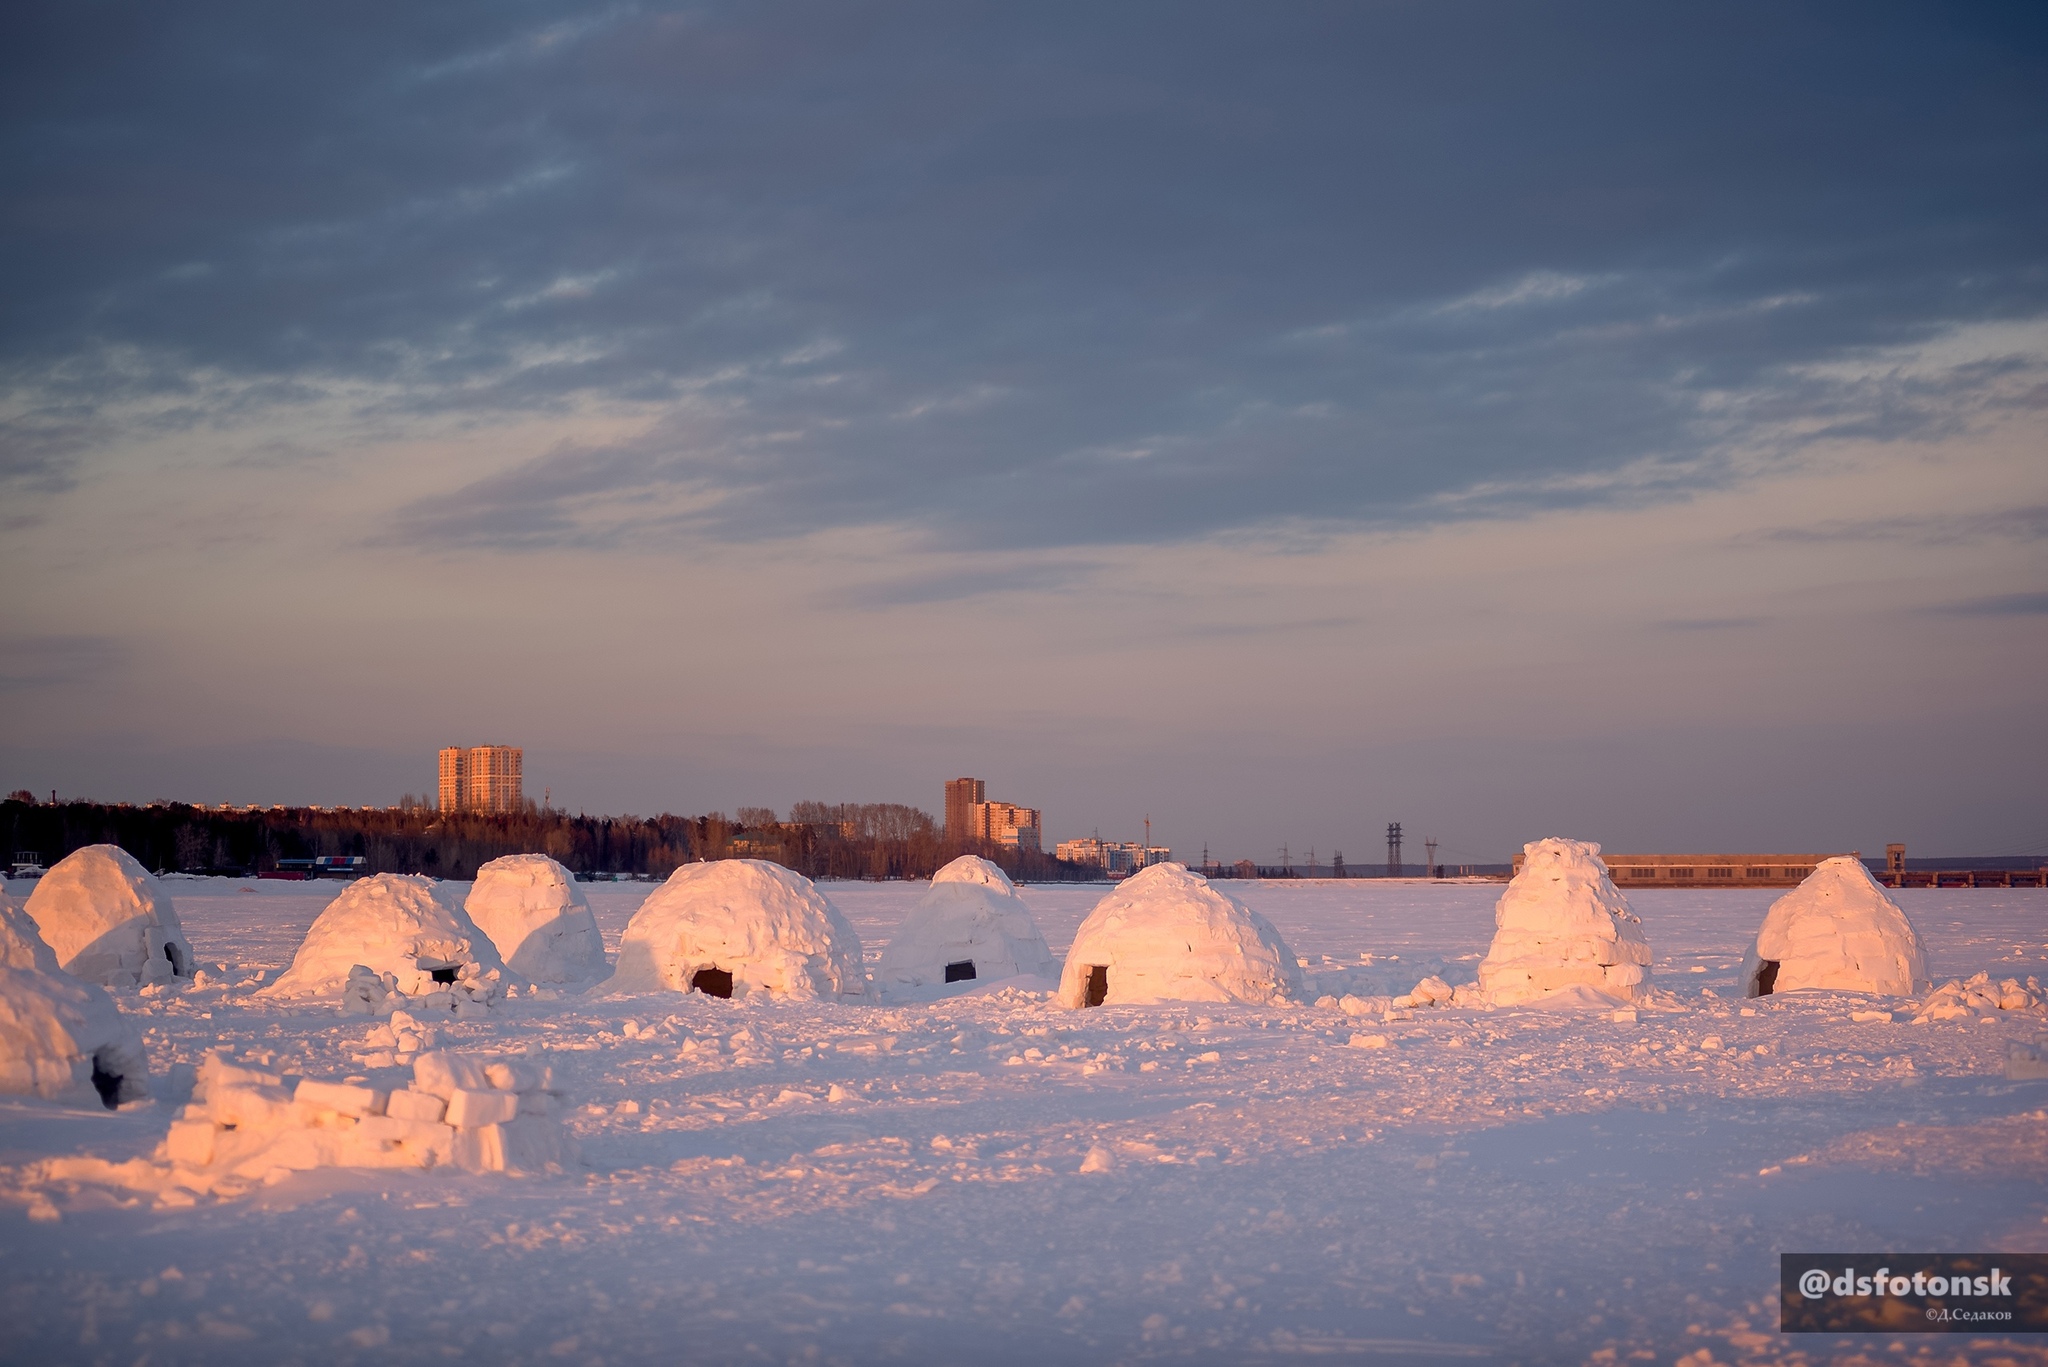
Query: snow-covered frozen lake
x=1507 y=1186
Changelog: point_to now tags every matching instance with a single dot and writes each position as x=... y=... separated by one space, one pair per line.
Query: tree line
x=819 y=840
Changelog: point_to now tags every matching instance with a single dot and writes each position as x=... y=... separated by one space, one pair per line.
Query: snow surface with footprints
x=993 y=1178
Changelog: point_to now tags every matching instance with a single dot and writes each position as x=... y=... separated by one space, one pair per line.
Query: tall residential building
x=454 y=778
x=482 y=778
x=961 y=796
x=1005 y=823
x=971 y=817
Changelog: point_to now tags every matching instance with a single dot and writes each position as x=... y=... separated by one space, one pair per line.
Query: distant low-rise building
x=1112 y=856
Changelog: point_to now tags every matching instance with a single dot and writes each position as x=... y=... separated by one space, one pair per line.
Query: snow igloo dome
x=971 y=926
x=1838 y=930
x=109 y=920
x=60 y=1039
x=538 y=919
x=1561 y=924
x=1167 y=935
x=737 y=926
x=406 y=930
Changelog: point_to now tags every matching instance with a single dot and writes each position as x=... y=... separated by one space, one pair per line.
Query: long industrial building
x=1708 y=870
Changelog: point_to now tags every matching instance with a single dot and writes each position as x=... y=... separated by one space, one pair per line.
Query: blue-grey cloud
x=30 y=663
x=960 y=584
x=1709 y=623
x=2001 y=605
x=2027 y=523
x=1027 y=276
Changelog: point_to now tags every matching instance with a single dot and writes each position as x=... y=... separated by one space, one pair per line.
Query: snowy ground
x=1506 y=1186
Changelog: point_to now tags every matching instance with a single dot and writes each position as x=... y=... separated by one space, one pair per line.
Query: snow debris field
x=1374 y=1165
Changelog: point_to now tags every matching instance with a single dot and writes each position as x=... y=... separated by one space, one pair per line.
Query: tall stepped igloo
x=1840 y=930
x=60 y=1039
x=407 y=930
x=538 y=919
x=971 y=926
x=1168 y=935
x=109 y=920
x=734 y=927
x=1562 y=923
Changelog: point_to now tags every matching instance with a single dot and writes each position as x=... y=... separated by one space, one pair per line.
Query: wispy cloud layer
x=1182 y=389
x=954 y=269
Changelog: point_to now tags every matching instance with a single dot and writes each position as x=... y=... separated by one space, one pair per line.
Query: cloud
x=2028 y=523
x=1537 y=287
x=35 y=663
x=1006 y=279
x=1709 y=623
x=959 y=584
x=2000 y=605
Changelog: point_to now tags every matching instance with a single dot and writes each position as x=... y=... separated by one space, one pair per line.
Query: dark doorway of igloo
x=444 y=975
x=1098 y=985
x=177 y=963
x=1766 y=977
x=712 y=982
x=960 y=972
x=107 y=1084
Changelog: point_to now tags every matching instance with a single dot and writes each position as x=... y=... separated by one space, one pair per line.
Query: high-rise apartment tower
x=482 y=778
x=962 y=796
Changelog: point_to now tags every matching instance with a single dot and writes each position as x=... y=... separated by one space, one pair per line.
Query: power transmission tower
x=1430 y=845
x=1393 y=849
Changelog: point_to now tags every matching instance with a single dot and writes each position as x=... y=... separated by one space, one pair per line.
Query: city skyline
x=1609 y=423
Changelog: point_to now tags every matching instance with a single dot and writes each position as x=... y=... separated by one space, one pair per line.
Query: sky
x=1615 y=421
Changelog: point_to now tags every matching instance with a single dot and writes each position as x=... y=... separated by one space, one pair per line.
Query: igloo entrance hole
x=960 y=972
x=1766 y=977
x=177 y=961
x=1098 y=985
x=712 y=982
x=444 y=975
x=107 y=1084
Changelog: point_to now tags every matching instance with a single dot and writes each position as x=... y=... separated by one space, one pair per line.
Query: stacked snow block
x=501 y=1112
x=476 y=1114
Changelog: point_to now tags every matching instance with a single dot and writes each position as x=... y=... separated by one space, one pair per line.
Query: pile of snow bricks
x=1980 y=996
x=474 y=1113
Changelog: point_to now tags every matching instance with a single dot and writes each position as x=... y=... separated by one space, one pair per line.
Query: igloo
x=60 y=1039
x=1563 y=924
x=971 y=926
x=1167 y=935
x=539 y=920
x=1836 y=930
x=109 y=920
x=736 y=926
x=403 y=928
